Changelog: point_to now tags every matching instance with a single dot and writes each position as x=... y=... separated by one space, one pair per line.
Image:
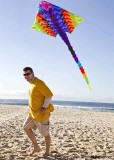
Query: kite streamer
x=53 y=20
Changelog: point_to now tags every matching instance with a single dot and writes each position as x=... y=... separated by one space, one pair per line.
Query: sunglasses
x=26 y=74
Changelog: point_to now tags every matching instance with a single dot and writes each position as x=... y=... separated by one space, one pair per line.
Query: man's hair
x=28 y=68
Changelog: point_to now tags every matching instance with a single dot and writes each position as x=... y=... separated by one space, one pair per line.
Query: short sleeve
x=44 y=90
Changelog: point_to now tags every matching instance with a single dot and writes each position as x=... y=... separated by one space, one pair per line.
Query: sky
x=92 y=40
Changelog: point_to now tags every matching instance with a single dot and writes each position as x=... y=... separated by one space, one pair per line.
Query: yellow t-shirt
x=38 y=91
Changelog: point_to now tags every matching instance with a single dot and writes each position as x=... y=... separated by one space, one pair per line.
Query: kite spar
x=53 y=20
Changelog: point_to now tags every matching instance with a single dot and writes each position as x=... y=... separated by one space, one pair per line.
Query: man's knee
x=29 y=124
x=47 y=136
x=25 y=128
x=28 y=127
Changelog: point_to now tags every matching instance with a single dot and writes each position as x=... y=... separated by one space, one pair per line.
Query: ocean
x=96 y=106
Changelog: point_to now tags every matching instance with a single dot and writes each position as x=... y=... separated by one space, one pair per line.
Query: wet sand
x=76 y=135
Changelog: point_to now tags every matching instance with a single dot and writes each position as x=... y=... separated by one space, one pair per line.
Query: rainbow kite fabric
x=53 y=20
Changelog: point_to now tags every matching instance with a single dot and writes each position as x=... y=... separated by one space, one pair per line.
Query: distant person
x=40 y=107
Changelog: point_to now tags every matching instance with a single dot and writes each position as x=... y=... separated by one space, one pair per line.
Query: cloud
x=13 y=94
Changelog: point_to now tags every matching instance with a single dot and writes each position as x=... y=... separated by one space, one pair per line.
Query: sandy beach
x=76 y=134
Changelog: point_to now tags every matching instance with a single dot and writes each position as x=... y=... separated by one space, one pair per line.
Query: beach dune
x=76 y=134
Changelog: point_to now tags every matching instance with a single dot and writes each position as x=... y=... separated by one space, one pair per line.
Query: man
x=40 y=108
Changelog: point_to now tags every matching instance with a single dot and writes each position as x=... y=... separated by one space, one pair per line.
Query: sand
x=76 y=135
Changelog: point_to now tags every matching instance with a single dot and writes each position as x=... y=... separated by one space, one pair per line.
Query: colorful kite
x=53 y=20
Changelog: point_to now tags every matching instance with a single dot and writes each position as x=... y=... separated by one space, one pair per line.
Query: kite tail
x=80 y=66
x=66 y=40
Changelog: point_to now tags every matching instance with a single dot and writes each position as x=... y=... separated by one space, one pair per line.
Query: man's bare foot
x=46 y=154
x=36 y=150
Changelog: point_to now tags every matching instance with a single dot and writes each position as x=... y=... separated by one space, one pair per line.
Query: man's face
x=28 y=75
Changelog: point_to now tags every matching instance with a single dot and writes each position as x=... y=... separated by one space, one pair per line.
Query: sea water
x=97 y=106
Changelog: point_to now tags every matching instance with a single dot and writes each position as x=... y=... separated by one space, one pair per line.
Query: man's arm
x=46 y=102
x=45 y=105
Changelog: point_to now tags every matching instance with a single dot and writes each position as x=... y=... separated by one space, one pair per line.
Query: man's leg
x=45 y=133
x=28 y=129
x=47 y=142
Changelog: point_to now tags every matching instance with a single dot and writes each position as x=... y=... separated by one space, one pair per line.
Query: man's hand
x=42 y=110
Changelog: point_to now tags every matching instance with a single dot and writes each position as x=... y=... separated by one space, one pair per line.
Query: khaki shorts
x=43 y=127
